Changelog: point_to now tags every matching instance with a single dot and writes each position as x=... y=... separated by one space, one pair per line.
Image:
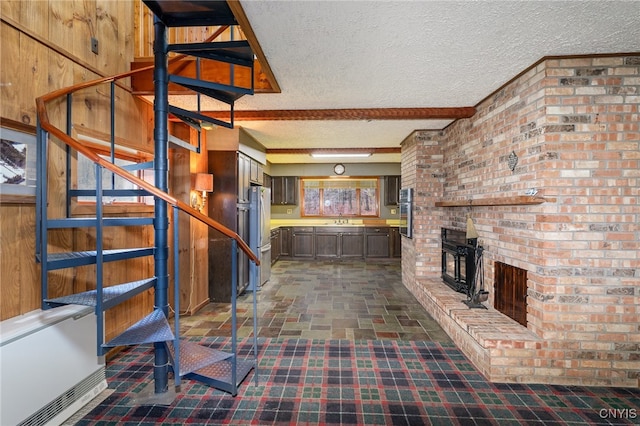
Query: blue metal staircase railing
x=219 y=369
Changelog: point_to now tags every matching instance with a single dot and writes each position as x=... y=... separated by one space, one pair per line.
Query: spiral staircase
x=221 y=369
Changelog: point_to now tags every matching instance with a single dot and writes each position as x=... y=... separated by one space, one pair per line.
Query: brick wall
x=573 y=124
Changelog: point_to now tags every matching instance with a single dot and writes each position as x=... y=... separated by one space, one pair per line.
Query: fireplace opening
x=458 y=260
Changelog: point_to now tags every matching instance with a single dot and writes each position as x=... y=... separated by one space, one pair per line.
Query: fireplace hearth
x=458 y=260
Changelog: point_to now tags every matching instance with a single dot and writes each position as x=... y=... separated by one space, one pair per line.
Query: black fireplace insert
x=458 y=260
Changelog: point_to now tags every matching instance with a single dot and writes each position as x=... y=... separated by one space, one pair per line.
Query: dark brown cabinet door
x=391 y=190
x=377 y=242
x=285 y=241
x=244 y=170
x=352 y=244
x=395 y=241
x=275 y=245
x=284 y=190
x=302 y=243
x=327 y=244
x=243 y=259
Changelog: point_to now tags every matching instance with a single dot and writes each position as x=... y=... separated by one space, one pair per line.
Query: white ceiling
x=397 y=54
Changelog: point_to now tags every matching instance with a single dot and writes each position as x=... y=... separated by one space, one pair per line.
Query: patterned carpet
x=364 y=382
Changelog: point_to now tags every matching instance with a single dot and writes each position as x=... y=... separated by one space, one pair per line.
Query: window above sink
x=340 y=197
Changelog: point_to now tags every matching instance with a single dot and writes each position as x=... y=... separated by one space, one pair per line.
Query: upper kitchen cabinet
x=391 y=190
x=256 y=172
x=284 y=190
x=243 y=175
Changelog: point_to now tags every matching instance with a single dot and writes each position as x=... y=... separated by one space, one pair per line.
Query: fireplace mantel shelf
x=496 y=201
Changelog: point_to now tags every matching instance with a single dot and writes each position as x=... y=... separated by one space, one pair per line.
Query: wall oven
x=406 y=212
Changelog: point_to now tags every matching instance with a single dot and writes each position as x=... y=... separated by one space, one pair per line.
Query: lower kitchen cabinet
x=327 y=243
x=396 y=242
x=339 y=242
x=275 y=245
x=335 y=242
x=377 y=242
x=302 y=239
x=285 y=241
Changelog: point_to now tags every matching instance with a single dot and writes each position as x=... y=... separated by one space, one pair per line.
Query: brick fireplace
x=573 y=126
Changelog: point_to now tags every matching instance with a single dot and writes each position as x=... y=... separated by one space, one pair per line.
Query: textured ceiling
x=395 y=54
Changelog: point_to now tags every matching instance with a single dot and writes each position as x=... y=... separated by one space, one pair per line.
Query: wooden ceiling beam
x=333 y=150
x=453 y=113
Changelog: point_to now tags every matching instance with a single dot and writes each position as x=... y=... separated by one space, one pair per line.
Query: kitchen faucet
x=340 y=221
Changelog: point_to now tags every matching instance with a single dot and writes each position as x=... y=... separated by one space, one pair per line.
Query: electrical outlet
x=289 y=211
x=94 y=45
x=393 y=211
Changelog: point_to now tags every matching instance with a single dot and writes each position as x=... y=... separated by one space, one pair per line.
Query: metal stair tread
x=235 y=52
x=222 y=92
x=194 y=119
x=85 y=222
x=192 y=13
x=227 y=91
x=80 y=258
x=110 y=295
x=220 y=374
x=194 y=356
x=150 y=329
x=110 y=192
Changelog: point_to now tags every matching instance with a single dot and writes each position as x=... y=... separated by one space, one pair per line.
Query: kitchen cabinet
x=228 y=205
x=275 y=245
x=377 y=242
x=243 y=259
x=391 y=190
x=339 y=242
x=256 y=172
x=285 y=241
x=336 y=242
x=244 y=181
x=302 y=242
x=352 y=243
x=284 y=190
x=396 y=242
x=327 y=241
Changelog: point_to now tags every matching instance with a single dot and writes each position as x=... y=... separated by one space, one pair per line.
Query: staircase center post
x=160 y=133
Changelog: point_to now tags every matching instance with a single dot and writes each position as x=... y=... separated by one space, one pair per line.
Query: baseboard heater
x=48 y=365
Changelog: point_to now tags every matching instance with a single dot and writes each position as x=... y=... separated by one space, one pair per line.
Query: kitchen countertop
x=277 y=223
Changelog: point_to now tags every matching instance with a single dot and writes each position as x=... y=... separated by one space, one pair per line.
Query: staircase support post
x=160 y=133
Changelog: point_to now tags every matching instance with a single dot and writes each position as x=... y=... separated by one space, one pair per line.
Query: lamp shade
x=204 y=182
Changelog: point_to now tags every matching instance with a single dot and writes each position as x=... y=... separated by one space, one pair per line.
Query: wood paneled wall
x=193 y=234
x=46 y=45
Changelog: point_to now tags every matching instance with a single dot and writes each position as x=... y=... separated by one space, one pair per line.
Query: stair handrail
x=43 y=118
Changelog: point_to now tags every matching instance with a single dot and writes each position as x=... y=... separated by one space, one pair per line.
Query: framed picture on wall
x=17 y=164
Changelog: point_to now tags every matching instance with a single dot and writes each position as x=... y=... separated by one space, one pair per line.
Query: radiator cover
x=49 y=365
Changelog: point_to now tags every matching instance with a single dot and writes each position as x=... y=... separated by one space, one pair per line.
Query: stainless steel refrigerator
x=260 y=232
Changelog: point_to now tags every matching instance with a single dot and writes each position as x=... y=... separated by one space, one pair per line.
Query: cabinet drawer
x=378 y=230
x=352 y=230
x=299 y=229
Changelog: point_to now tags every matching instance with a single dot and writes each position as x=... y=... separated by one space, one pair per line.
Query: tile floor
x=313 y=299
